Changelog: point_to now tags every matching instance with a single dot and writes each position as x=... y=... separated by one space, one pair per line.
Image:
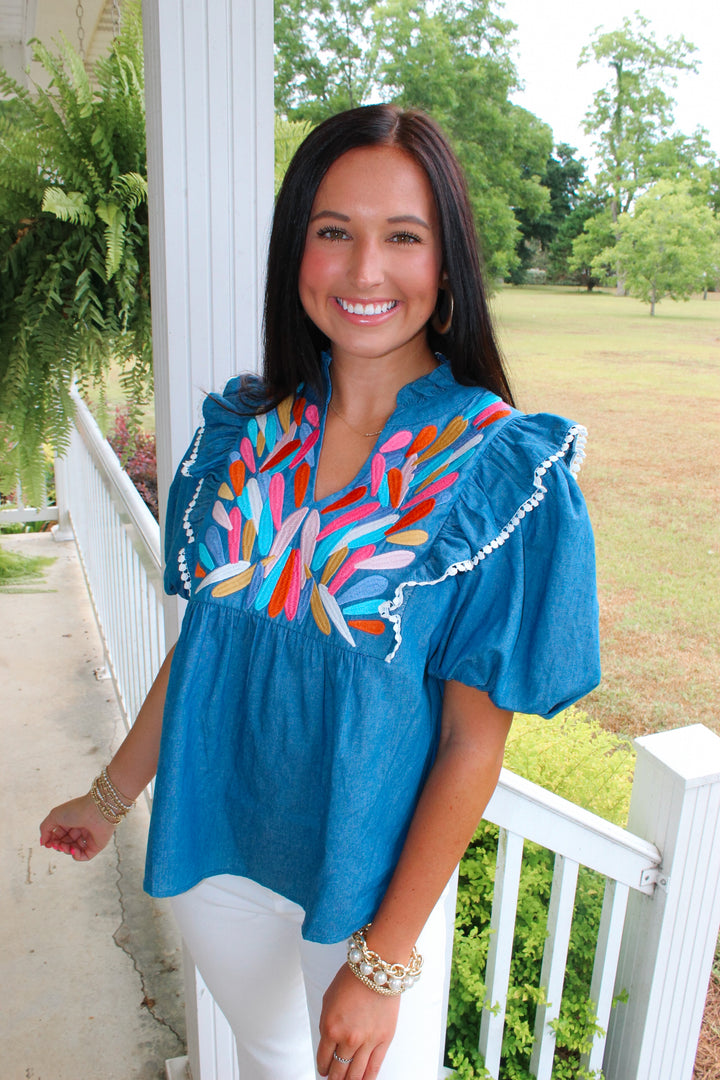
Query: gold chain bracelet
x=375 y=972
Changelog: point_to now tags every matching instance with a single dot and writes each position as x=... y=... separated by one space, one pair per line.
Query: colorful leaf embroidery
x=290 y=558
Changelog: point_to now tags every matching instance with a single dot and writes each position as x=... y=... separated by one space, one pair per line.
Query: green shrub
x=576 y=759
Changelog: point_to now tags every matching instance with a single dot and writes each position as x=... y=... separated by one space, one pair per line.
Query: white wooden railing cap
x=691 y=753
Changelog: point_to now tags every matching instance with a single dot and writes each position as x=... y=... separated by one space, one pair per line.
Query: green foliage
x=74 y=262
x=592 y=257
x=668 y=246
x=563 y=177
x=576 y=759
x=632 y=114
x=452 y=60
x=288 y=136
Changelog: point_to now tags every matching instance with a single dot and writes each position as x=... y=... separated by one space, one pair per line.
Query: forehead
x=381 y=180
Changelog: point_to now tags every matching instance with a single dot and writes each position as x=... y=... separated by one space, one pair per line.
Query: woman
x=384 y=560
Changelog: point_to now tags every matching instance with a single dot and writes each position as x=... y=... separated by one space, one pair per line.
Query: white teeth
x=366 y=309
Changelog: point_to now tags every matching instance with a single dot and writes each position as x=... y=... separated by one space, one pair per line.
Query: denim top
x=305 y=694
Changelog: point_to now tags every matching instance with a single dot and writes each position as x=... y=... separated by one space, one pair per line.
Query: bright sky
x=552 y=33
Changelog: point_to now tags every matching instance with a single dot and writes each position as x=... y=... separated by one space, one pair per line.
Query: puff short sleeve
x=522 y=619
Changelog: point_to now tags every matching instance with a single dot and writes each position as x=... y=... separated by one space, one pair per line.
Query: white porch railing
x=118 y=541
x=661 y=910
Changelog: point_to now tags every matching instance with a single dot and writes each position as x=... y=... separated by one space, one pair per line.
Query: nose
x=366 y=267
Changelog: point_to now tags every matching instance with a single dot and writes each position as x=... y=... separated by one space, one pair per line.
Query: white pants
x=269 y=982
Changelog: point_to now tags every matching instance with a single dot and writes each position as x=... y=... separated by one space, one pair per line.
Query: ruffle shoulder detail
x=529 y=458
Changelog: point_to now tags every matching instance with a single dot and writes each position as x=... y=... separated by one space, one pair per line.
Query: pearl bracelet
x=112 y=805
x=380 y=976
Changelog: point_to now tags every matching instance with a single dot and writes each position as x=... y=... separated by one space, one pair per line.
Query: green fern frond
x=67 y=205
x=132 y=189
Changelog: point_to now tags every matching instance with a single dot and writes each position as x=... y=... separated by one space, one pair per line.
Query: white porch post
x=669 y=937
x=209 y=91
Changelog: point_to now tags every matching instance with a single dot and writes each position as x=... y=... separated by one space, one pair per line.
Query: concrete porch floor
x=91 y=967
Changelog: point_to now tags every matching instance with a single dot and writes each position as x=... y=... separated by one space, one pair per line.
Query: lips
x=360 y=307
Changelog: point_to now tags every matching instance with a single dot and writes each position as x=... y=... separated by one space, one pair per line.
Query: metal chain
x=116 y=18
x=80 y=11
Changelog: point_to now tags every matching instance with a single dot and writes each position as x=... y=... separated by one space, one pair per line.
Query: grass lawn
x=648 y=390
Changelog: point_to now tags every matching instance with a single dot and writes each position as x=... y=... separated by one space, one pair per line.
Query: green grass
x=16 y=569
x=648 y=390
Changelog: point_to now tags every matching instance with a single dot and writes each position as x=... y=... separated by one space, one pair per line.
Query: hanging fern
x=74 y=261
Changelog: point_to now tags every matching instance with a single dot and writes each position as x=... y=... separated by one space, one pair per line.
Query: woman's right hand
x=76 y=828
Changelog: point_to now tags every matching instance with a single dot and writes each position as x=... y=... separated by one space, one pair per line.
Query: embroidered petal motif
x=283 y=412
x=416 y=514
x=373 y=585
x=287 y=531
x=308 y=537
x=491 y=414
x=434 y=488
x=396 y=442
x=296 y=583
x=377 y=471
x=220 y=515
x=281 y=590
x=334 y=563
x=306 y=447
x=348 y=568
x=369 y=626
x=302 y=475
x=234 y=584
x=421 y=440
x=333 y=569
x=348 y=518
x=336 y=617
x=394 y=481
x=248 y=539
x=453 y=430
x=347 y=500
x=235 y=535
x=276 y=495
x=318 y=611
x=248 y=454
x=413 y=537
x=222 y=573
x=389 y=560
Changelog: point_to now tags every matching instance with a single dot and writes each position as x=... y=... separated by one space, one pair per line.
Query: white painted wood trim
x=607 y=954
x=552 y=978
x=577 y=834
x=502 y=930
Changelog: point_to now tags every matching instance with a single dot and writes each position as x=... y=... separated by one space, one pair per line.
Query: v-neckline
x=361 y=477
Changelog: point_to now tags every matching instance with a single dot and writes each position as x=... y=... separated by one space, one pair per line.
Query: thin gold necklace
x=365 y=434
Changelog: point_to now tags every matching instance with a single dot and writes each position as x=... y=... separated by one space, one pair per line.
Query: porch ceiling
x=21 y=20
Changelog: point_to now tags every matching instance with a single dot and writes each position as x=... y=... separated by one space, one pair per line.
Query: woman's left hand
x=355 y=1023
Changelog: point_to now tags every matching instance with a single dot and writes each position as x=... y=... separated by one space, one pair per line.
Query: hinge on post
x=655 y=876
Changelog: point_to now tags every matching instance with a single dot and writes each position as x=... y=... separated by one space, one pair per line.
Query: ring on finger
x=342 y=1060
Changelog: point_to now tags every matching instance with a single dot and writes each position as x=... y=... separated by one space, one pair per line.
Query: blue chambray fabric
x=305 y=696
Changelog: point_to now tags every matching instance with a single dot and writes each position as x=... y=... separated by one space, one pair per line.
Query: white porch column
x=669 y=937
x=209 y=91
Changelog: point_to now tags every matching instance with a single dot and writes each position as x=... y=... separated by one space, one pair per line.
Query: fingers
x=74 y=842
x=363 y=1063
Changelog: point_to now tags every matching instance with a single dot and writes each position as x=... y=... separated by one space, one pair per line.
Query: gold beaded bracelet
x=112 y=805
x=376 y=973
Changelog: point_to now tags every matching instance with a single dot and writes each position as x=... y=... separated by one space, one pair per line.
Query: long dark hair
x=292 y=342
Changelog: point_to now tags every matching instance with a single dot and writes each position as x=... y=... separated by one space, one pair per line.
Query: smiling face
x=371 y=267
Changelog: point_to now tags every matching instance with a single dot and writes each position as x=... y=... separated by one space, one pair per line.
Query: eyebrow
x=397 y=220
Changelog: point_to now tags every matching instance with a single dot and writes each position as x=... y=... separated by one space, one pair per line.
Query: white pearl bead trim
x=189 y=532
x=184 y=572
x=577 y=435
x=186 y=465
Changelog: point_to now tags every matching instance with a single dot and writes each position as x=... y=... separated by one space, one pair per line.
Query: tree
x=563 y=177
x=633 y=113
x=562 y=265
x=74 y=261
x=324 y=59
x=591 y=259
x=454 y=62
x=669 y=245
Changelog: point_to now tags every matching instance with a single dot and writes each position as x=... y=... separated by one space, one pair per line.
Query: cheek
x=315 y=269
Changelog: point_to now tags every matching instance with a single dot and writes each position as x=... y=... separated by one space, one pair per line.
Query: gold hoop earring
x=443 y=327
